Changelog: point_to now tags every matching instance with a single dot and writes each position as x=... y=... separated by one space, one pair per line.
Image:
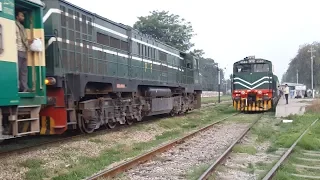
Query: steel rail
x=109 y=173
x=274 y=169
x=213 y=166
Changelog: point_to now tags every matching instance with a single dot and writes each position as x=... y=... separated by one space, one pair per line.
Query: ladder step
x=25 y=133
x=59 y=127
x=3 y=137
x=60 y=107
x=29 y=119
x=29 y=106
x=71 y=123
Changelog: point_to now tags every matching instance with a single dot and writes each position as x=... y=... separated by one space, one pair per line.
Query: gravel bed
x=178 y=161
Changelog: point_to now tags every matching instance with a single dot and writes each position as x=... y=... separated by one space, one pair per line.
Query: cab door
x=8 y=55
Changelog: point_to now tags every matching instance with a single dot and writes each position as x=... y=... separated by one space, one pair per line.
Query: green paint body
x=9 y=95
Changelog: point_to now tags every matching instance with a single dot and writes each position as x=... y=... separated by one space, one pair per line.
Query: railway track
x=305 y=157
x=72 y=137
x=311 y=161
x=142 y=159
x=225 y=154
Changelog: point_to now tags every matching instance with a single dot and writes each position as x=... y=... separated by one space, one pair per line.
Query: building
x=296 y=90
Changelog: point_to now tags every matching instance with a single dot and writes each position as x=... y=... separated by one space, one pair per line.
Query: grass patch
x=314 y=107
x=264 y=131
x=35 y=171
x=310 y=141
x=244 y=149
x=36 y=174
x=272 y=149
x=96 y=140
x=197 y=172
x=282 y=135
x=250 y=168
x=207 y=100
x=32 y=163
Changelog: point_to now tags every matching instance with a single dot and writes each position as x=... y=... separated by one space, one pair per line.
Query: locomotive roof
x=38 y=2
x=113 y=22
x=252 y=61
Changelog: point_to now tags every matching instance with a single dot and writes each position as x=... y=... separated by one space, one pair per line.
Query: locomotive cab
x=19 y=111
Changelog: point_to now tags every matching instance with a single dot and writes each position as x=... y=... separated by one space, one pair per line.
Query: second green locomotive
x=254 y=85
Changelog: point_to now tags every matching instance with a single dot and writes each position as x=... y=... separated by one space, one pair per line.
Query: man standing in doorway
x=286 y=92
x=23 y=47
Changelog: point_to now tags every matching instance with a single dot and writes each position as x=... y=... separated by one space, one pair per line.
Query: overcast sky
x=229 y=30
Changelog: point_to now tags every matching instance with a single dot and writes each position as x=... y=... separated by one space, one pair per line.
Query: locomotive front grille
x=250 y=105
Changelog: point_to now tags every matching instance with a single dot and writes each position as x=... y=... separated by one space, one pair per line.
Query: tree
x=302 y=63
x=167 y=28
x=209 y=75
x=198 y=53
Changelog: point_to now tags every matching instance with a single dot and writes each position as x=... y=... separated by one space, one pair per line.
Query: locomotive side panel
x=104 y=70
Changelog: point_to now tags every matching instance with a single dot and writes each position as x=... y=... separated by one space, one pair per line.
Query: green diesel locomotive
x=254 y=85
x=92 y=72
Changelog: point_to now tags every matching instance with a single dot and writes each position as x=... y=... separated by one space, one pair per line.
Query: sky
x=230 y=30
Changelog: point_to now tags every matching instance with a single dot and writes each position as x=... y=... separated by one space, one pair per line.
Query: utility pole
x=219 y=84
x=311 y=57
x=226 y=87
x=297 y=77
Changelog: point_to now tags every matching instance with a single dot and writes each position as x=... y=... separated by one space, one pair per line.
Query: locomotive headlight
x=50 y=81
x=259 y=92
x=242 y=92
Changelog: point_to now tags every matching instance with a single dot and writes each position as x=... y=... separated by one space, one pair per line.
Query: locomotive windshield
x=261 y=68
x=247 y=68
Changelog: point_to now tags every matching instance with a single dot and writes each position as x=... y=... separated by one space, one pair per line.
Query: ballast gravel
x=177 y=162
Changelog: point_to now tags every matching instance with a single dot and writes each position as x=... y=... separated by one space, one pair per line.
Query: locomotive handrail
x=1 y=40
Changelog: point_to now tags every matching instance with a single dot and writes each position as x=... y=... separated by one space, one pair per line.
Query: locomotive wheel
x=87 y=127
x=111 y=125
x=129 y=121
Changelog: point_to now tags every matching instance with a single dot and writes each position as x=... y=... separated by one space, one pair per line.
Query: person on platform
x=286 y=92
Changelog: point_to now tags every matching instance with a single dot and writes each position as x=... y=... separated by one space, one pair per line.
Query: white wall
x=211 y=93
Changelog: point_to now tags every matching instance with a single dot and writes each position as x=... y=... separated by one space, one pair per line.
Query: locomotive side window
x=242 y=68
x=261 y=68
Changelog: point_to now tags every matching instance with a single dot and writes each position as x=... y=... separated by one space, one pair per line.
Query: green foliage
x=302 y=63
x=35 y=171
x=175 y=31
x=195 y=173
x=198 y=53
x=249 y=149
x=167 y=28
x=209 y=75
